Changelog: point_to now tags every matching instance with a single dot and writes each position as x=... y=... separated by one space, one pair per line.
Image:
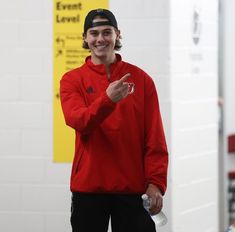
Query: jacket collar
x=100 y=68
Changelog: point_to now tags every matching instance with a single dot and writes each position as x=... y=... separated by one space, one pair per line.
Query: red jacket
x=120 y=147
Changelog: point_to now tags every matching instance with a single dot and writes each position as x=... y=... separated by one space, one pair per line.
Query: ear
x=84 y=36
x=118 y=33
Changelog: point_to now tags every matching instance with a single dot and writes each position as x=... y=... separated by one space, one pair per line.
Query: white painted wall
x=34 y=191
x=229 y=74
x=227 y=81
x=194 y=117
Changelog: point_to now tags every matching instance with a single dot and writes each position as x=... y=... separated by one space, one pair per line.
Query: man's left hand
x=156 y=199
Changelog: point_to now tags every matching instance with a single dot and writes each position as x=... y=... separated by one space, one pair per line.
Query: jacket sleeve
x=156 y=154
x=83 y=118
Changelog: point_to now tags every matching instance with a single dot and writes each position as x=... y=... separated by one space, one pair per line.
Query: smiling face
x=101 y=41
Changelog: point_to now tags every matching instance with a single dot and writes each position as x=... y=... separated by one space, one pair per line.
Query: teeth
x=100 y=46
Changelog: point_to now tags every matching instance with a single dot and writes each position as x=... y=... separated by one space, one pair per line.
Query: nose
x=100 y=37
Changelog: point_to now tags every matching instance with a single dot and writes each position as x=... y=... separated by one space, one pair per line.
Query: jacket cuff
x=107 y=101
x=161 y=187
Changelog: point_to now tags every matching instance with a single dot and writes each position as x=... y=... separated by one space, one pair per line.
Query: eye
x=93 y=33
x=107 y=32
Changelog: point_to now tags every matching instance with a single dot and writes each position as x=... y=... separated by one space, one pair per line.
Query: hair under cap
x=104 y=13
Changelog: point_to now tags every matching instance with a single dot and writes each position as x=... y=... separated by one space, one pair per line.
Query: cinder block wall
x=34 y=191
x=194 y=48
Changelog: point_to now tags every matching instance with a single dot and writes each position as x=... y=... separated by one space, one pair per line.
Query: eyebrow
x=106 y=29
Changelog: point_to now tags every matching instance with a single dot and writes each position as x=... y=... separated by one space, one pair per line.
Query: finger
x=159 y=203
x=153 y=203
x=123 y=79
x=156 y=206
x=159 y=200
x=155 y=210
x=124 y=86
x=125 y=91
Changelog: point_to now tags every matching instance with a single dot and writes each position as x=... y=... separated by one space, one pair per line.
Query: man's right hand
x=118 y=90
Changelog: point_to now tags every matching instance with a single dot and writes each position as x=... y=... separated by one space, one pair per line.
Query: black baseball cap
x=104 y=13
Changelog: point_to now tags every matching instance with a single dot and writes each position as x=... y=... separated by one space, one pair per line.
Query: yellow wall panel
x=68 y=53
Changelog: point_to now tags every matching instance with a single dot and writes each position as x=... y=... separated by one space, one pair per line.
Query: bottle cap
x=145 y=197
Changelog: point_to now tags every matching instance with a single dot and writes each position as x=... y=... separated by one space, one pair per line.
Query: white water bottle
x=231 y=228
x=159 y=219
x=146 y=202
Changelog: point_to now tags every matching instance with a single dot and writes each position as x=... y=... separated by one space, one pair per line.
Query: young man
x=120 y=148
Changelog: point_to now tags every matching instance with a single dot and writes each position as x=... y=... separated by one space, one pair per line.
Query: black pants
x=91 y=213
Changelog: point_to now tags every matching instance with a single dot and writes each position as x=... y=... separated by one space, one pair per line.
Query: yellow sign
x=68 y=53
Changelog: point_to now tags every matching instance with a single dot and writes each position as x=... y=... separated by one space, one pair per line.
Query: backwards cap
x=104 y=13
